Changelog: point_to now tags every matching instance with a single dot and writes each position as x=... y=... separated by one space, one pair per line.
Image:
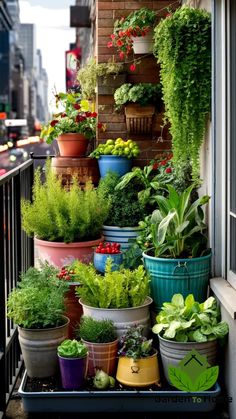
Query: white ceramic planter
x=122 y=235
x=143 y=44
x=123 y=318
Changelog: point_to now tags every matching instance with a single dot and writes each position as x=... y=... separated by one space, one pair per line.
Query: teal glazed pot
x=100 y=259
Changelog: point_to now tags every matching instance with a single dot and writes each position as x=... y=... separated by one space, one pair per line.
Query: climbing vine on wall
x=183 y=49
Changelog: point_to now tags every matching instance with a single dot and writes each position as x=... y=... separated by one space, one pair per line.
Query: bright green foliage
x=177 y=229
x=118 y=147
x=141 y=93
x=125 y=210
x=187 y=320
x=57 y=214
x=96 y=331
x=38 y=300
x=72 y=349
x=134 y=344
x=117 y=289
x=183 y=49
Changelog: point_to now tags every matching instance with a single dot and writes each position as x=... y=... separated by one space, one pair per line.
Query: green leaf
x=209 y=303
x=206 y=379
x=181 y=227
x=163 y=226
x=181 y=336
x=178 y=300
x=171 y=331
x=179 y=379
x=198 y=336
x=220 y=330
x=157 y=328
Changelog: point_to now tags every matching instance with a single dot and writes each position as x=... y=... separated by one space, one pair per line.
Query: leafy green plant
x=89 y=74
x=38 y=300
x=177 y=229
x=96 y=331
x=57 y=214
x=116 y=289
x=141 y=93
x=134 y=344
x=189 y=321
x=183 y=49
x=118 y=147
x=125 y=209
x=75 y=117
x=72 y=349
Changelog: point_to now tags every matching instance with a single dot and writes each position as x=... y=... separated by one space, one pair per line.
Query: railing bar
x=2 y=303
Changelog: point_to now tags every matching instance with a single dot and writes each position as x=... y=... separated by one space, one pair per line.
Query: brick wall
x=107 y=12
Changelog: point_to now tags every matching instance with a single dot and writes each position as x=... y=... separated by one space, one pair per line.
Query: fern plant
x=116 y=289
x=57 y=214
x=183 y=49
x=96 y=331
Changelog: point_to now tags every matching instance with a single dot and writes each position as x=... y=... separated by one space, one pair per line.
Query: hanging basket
x=143 y=44
x=139 y=119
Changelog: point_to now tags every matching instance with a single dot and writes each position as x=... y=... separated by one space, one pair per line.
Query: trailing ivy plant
x=183 y=49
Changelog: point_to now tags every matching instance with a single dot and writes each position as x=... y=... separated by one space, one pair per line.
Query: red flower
x=99 y=125
x=168 y=170
x=155 y=166
x=80 y=118
x=54 y=122
x=122 y=55
x=163 y=162
x=76 y=106
x=63 y=115
x=94 y=115
x=110 y=44
x=132 y=67
x=112 y=36
x=88 y=114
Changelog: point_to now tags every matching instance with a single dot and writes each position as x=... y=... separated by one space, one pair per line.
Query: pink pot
x=72 y=145
x=60 y=254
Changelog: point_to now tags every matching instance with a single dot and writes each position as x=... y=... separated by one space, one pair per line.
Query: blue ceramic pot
x=117 y=164
x=100 y=259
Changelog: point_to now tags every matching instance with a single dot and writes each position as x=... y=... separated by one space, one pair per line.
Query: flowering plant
x=75 y=117
x=141 y=93
x=134 y=345
x=137 y=23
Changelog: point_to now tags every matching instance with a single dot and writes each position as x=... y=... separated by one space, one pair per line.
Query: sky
x=53 y=35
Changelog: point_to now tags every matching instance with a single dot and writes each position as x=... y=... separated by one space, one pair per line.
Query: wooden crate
x=139 y=119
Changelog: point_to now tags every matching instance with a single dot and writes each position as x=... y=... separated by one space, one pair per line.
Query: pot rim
x=66 y=322
x=148 y=301
x=138 y=359
x=73 y=358
x=121 y=228
x=101 y=343
x=77 y=134
x=48 y=243
x=145 y=255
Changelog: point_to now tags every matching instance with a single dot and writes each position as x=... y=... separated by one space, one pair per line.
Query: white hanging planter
x=143 y=44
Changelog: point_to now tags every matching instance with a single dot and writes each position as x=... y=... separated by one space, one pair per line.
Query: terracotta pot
x=72 y=145
x=84 y=168
x=103 y=356
x=73 y=310
x=60 y=254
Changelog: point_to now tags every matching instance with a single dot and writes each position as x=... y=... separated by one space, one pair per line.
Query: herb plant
x=57 y=214
x=96 y=331
x=72 y=349
x=116 y=289
x=183 y=49
x=38 y=300
x=189 y=321
x=125 y=208
x=142 y=93
x=134 y=344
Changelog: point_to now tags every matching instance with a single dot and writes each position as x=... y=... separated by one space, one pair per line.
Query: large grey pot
x=39 y=349
x=173 y=352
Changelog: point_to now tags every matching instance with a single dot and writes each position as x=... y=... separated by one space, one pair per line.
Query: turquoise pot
x=100 y=259
x=177 y=276
x=117 y=164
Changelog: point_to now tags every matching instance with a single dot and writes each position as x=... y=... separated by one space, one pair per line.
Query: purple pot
x=73 y=371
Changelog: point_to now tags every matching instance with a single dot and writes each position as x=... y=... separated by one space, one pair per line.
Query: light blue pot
x=177 y=276
x=100 y=259
x=117 y=164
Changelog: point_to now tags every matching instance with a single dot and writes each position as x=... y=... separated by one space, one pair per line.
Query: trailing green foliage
x=57 y=214
x=38 y=300
x=72 y=349
x=189 y=321
x=183 y=49
x=116 y=289
x=134 y=344
x=125 y=209
x=96 y=331
x=177 y=229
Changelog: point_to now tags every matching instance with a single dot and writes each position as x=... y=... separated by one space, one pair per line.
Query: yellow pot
x=138 y=373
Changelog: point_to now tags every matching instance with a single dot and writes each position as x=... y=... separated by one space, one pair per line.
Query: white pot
x=123 y=318
x=143 y=44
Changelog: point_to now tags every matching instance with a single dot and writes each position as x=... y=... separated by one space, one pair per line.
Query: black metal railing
x=16 y=255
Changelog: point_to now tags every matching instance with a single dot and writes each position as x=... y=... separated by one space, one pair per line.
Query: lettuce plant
x=189 y=321
x=72 y=349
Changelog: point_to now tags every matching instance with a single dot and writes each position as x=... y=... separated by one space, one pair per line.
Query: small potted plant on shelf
x=185 y=324
x=72 y=355
x=134 y=33
x=125 y=211
x=73 y=126
x=102 y=78
x=116 y=156
x=103 y=252
x=37 y=306
x=121 y=296
x=100 y=337
x=179 y=260
x=67 y=224
x=142 y=101
x=137 y=365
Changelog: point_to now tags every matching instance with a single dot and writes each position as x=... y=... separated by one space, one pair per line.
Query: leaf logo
x=192 y=379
